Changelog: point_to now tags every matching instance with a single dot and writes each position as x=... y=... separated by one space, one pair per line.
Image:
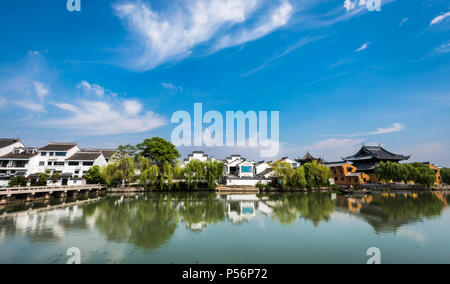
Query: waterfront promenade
x=9 y=195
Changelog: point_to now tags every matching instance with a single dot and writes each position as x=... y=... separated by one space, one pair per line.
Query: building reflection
x=387 y=212
x=150 y=221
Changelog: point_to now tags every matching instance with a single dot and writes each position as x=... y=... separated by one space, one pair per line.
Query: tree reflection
x=316 y=207
x=388 y=212
x=144 y=222
x=200 y=209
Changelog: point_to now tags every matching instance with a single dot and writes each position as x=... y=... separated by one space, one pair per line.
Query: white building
x=7 y=145
x=17 y=163
x=240 y=172
x=67 y=159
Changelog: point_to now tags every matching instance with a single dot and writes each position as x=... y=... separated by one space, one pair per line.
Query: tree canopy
x=158 y=150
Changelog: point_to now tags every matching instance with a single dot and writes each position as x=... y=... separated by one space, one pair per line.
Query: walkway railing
x=47 y=189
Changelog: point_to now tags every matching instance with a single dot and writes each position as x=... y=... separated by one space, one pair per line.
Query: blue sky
x=339 y=74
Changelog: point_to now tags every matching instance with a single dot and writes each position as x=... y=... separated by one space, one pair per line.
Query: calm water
x=210 y=228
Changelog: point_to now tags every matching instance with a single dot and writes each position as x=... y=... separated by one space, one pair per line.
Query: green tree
x=42 y=180
x=445 y=175
x=17 y=181
x=94 y=176
x=126 y=151
x=214 y=172
x=316 y=175
x=284 y=171
x=149 y=176
x=120 y=172
x=159 y=150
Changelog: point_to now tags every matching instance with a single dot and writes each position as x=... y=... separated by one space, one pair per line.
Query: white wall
x=246 y=182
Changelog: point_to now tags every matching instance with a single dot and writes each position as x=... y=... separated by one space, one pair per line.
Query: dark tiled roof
x=85 y=156
x=108 y=153
x=5 y=142
x=58 y=147
x=265 y=172
x=309 y=158
x=19 y=156
x=375 y=152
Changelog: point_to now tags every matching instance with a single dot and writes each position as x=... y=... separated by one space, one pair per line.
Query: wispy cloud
x=2 y=102
x=335 y=143
x=396 y=127
x=41 y=91
x=363 y=47
x=105 y=118
x=300 y=43
x=172 y=34
x=443 y=48
x=171 y=87
x=439 y=19
x=404 y=20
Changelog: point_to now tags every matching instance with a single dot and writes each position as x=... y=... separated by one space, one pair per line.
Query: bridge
x=29 y=193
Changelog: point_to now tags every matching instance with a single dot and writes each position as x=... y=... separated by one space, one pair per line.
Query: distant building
x=66 y=159
x=199 y=156
x=7 y=145
x=366 y=159
x=346 y=174
x=308 y=158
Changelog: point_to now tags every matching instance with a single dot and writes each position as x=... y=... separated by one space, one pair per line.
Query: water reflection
x=150 y=221
x=388 y=212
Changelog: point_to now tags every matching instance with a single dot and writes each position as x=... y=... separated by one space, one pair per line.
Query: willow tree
x=214 y=172
x=283 y=171
x=120 y=171
x=317 y=175
x=149 y=176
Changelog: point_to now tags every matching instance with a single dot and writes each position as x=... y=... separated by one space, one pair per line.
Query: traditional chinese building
x=308 y=158
x=366 y=159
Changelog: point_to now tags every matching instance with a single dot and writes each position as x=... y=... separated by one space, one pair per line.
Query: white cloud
x=363 y=47
x=2 y=102
x=30 y=105
x=439 y=19
x=433 y=152
x=349 y=5
x=396 y=127
x=300 y=43
x=132 y=107
x=278 y=18
x=96 y=89
x=172 y=87
x=404 y=20
x=104 y=118
x=335 y=143
x=444 y=48
x=41 y=91
x=172 y=34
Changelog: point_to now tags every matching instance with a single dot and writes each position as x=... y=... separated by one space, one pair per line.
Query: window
x=43 y=154
x=58 y=163
x=74 y=163
x=50 y=163
x=42 y=163
x=246 y=169
x=88 y=163
x=77 y=172
x=60 y=154
x=51 y=153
